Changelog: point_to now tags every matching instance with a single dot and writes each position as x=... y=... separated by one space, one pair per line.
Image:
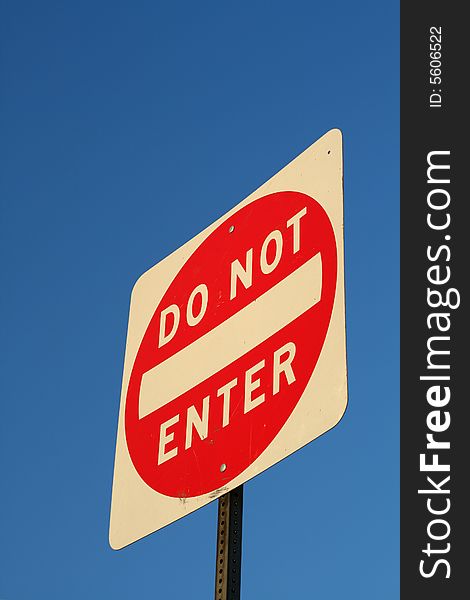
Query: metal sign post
x=229 y=546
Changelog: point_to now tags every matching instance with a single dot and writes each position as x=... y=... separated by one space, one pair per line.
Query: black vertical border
x=423 y=130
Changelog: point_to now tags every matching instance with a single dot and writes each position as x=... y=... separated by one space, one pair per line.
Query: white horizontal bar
x=233 y=338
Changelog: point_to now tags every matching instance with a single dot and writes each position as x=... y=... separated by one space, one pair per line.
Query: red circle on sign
x=236 y=437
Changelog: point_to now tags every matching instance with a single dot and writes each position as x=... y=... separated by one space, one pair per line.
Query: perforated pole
x=229 y=546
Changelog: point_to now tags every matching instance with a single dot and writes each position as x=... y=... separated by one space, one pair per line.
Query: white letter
x=295 y=222
x=251 y=386
x=434 y=466
x=166 y=439
x=162 y=338
x=244 y=274
x=438 y=522
x=283 y=367
x=438 y=512
x=435 y=445
x=225 y=390
x=432 y=166
x=441 y=561
x=200 y=424
x=434 y=422
x=445 y=193
x=190 y=318
x=275 y=236
x=434 y=397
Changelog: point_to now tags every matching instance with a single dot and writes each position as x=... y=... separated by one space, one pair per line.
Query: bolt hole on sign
x=235 y=354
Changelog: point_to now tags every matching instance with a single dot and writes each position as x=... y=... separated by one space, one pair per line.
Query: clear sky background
x=120 y=122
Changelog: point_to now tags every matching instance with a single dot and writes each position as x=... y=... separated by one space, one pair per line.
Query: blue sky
x=120 y=124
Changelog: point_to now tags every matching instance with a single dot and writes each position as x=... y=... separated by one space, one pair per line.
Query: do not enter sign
x=235 y=355
x=229 y=349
